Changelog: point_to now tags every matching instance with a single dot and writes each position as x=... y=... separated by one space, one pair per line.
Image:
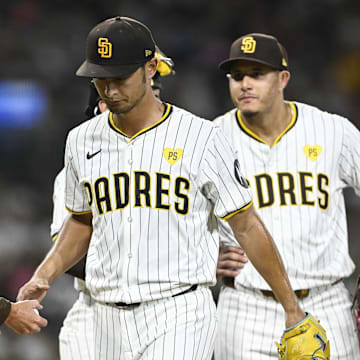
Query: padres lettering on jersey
x=297 y=185
x=118 y=188
x=151 y=197
x=289 y=189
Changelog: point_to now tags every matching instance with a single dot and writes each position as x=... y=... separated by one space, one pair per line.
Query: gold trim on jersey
x=78 y=212
x=113 y=126
x=244 y=128
x=228 y=216
x=54 y=237
x=168 y=109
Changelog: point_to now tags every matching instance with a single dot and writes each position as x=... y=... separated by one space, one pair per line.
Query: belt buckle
x=301 y=294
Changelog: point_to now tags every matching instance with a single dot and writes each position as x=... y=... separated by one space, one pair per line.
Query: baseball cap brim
x=91 y=70
x=227 y=64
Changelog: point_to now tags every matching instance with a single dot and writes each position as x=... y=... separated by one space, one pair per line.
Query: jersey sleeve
x=349 y=161
x=59 y=211
x=76 y=200
x=225 y=186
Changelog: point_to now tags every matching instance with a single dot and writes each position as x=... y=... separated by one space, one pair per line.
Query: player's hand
x=24 y=317
x=34 y=289
x=231 y=260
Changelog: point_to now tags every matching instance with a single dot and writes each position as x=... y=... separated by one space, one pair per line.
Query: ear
x=284 y=78
x=102 y=105
x=151 y=67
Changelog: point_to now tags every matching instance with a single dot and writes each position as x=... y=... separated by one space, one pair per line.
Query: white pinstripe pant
x=249 y=323
x=179 y=328
x=76 y=335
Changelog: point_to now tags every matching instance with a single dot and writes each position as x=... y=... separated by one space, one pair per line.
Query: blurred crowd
x=43 y=42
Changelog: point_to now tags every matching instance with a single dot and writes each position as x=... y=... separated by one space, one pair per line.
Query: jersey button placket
x=129 y=218
x=132 y=218
x=266 y=155
x=130 y=160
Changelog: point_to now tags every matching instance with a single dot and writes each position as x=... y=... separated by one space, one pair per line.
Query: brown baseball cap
x=117 y=47
x=261 y=48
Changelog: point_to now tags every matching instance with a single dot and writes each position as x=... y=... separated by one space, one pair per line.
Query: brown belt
x=300 y=294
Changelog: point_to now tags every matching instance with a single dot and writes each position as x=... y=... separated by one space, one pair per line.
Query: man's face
x=122 y=95
x=254 y=87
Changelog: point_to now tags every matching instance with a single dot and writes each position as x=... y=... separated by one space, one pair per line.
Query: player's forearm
x=262 y=252
x=70 y=247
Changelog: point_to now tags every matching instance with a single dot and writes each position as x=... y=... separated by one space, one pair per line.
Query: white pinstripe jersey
x=59 y=211
x=59 y=216
x=297 y=187
x=151 y=196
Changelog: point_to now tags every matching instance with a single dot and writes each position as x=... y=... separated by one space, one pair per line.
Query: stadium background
x=42 y=44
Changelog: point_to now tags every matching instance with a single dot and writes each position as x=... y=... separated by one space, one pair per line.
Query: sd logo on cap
x=117 y=47
x=260 y=48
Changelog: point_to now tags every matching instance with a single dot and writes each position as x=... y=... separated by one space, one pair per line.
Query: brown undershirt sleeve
x=5 y=307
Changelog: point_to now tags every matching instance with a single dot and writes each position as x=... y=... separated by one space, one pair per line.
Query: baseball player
x=297 y=159
x=141 y=183
x=75 y=338
x=22 y=317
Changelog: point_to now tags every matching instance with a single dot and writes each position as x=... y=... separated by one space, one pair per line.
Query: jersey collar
x=247 y=131
x=167 y=112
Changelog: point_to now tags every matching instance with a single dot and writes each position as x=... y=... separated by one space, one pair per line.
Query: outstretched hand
x=24 y=317
x=34 y=289
x=231 y=260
